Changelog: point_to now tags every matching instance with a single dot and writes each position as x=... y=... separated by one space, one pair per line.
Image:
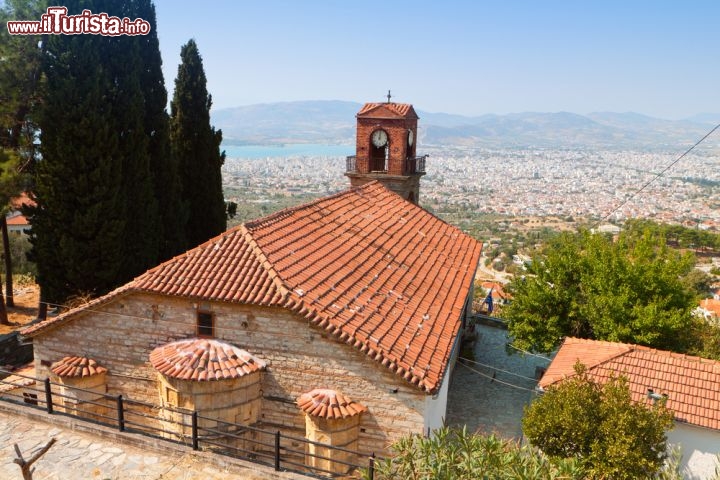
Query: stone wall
x=300 y=357
x=13 y=352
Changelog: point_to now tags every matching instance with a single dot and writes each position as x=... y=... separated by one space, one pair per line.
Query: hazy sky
x=660 y=58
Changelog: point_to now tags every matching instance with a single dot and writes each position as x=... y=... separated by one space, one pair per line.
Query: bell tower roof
x=387 y=110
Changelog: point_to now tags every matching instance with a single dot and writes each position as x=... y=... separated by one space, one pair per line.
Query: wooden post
x=371 y=467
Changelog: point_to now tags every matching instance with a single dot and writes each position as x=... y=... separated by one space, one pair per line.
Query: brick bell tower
x=385 y=149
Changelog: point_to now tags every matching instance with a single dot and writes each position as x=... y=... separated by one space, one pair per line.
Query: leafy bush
x=452 y=454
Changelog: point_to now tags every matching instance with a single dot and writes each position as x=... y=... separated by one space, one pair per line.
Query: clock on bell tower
x=386 y=149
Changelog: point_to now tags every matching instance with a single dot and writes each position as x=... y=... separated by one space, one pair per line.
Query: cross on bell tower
x=386 y=149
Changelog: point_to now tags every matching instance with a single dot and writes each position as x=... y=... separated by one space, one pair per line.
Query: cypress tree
x=196 y=147
x=163 y=166
x=79 y=222
x=96 y=224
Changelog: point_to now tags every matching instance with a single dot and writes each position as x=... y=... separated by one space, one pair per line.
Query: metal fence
x=271 y=448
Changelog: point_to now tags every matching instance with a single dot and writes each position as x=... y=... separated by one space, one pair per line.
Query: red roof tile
x=76 y=367
x=16 y=203
x=203 y=360
x=18 y=220
x=379 y=273
x=385 y=110
x=690 y=383
x=331 y=404
x=23 y=377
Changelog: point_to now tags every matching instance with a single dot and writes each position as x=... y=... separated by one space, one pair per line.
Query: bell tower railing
x=413 y=165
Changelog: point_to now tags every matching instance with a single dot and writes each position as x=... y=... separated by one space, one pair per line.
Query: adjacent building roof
x=200 y=359
x=378 y=272
x=76 y=367
x=23 y=377
x=330 y=404
x=690 y=383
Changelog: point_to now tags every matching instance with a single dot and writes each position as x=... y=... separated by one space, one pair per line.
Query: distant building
x=709 y=309
x=17 y=222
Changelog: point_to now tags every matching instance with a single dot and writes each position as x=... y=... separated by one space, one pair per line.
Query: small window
x=205 y=324
x=30 y=398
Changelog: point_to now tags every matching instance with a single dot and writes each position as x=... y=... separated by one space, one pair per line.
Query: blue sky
x=472 y=57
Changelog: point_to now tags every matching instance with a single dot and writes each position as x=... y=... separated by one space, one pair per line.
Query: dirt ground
x=25 y=309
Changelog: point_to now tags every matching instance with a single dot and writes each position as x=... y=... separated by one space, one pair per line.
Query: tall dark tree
x=163 y=166
x=96 y=221
x=79 y=222
x=196 y=146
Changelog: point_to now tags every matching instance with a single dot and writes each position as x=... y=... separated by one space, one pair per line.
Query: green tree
x=78 y=225
x=585 y=285
x=451 y=454
x=196 y=147
x=20 y=61
x=163 y=166
x=599 y=426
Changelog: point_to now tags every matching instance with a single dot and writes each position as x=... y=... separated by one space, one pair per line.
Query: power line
x=496 y=368
x=529 y=353
x=495 y=379
x=657 y=176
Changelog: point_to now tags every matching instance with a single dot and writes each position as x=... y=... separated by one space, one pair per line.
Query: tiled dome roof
x=202 y=359
x=326 y=403
x=76 y=367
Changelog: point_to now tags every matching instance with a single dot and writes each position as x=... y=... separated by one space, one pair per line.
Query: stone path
x=80 y=455
x=485 y=404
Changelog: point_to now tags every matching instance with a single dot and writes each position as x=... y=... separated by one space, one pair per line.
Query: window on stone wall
x=205 y=327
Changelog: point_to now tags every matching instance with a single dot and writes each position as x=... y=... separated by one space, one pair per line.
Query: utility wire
x=529 y=353
x=497 y=369
x=657 y=176
x=495 y=379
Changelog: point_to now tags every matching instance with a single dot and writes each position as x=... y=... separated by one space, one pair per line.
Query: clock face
x=379 y=138
x=411 y=138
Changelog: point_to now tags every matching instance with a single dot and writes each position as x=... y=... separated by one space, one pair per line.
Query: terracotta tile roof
x=76 y=367
x=331 y=404
x=16 y=203
x=711 y=305
x=385 y=109
x=379 y=273
x=18 y=220
x=498 y=290
x=23 y=377
x=202 y=359
x=691 y=383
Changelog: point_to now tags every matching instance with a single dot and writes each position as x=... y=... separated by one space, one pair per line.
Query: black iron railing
x=270 y=448
x=413 y=165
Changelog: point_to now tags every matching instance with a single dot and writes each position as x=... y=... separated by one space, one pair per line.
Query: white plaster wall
x=436 y=405
x=700 y=447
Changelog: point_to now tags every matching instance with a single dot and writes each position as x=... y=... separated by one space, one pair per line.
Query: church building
x=350 y=307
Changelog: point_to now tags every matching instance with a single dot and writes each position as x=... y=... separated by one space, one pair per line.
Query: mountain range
x=333 y=122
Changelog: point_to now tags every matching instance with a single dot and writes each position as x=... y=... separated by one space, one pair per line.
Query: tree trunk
x=10 y=302
x=3 y=312
x=42 y=307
